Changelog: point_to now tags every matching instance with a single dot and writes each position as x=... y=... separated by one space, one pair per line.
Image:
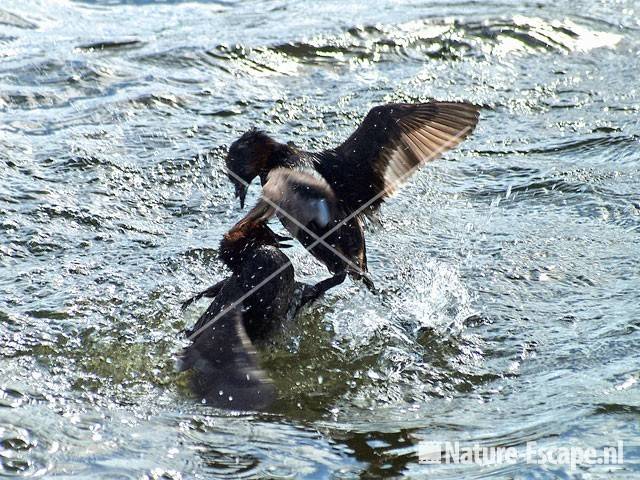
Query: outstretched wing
x=390 y=144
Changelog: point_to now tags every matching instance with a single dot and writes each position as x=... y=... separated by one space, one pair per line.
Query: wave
x=415 y=41
x=423 y=40
x=13 y=20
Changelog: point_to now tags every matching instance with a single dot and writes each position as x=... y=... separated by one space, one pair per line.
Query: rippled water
x=510 y=309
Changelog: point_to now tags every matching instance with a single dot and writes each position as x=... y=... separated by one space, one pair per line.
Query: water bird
x=392 y=142
x=255 y=301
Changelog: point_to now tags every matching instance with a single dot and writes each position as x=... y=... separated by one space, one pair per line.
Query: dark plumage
x=226 y=371
x=250 y=305
x=391 y=142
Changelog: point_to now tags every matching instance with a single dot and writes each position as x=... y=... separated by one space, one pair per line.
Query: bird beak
x=280 y=239
x=241 y=193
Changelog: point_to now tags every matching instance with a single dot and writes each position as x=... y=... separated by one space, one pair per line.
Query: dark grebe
x=254 y=302
x=369 y=166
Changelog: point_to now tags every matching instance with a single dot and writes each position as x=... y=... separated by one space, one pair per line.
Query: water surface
x=509 y=269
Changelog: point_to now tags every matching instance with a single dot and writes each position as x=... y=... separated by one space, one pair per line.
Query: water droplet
x=373 y=375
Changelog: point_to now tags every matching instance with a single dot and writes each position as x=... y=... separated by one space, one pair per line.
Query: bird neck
x=235 y=244
x=243 y=240
x=280 y=155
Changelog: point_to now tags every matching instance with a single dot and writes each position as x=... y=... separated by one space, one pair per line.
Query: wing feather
x=225 y=366
x=392 y=142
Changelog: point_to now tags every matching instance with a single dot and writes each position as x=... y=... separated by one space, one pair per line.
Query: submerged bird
x=392 y=141
x=252 y=304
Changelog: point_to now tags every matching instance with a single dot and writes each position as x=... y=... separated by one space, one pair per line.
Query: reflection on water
x=508 y=270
